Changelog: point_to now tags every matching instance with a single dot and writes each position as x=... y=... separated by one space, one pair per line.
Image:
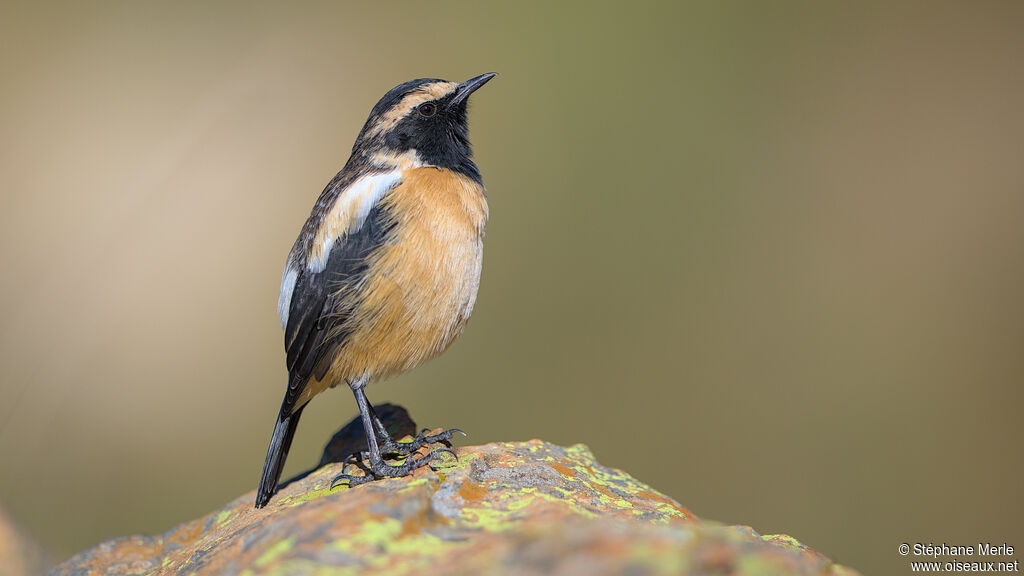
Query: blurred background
x=768 y=258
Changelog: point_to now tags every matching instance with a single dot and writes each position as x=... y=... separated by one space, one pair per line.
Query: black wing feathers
x=317 y=315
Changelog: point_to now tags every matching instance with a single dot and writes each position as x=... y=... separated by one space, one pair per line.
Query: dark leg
x=379 y=468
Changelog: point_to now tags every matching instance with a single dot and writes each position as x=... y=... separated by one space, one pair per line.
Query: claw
x=439 y=451
x=353 y=481
x=421 y=440
x=442 y=436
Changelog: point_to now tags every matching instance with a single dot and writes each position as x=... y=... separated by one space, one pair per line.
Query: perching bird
x=385 y=272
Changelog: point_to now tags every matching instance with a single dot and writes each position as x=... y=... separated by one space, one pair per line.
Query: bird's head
x=423 y=119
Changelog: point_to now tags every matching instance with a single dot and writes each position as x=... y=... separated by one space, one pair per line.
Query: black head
x=425 y=118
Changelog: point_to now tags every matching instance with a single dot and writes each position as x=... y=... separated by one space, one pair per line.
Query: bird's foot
x=390 y=447
x=380 y=469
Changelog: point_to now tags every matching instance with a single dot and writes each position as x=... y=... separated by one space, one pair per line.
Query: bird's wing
x=335 y=258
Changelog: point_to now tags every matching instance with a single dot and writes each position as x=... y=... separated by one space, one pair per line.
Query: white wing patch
x=347 y=215
x=284 y=301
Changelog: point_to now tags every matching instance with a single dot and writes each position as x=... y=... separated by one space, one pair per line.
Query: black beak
x=468 y=87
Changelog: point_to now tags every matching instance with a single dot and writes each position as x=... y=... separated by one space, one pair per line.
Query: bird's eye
x=427 y=109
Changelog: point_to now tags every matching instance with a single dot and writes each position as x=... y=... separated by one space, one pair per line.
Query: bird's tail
x=280 y=442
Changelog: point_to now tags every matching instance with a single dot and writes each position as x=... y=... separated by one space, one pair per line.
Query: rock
x=524 y=508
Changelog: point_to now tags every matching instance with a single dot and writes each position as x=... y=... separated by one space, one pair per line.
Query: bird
x=385 y=271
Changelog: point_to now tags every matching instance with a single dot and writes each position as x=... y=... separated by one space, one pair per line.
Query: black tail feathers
x=280 y=442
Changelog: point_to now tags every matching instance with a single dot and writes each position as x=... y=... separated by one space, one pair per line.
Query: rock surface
x=523 y=508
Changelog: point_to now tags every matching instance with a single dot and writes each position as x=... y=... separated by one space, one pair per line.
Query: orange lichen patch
x=189 y=532
x=471 y=491
x=414 y=524
x=563 y=469
x=603 y=489
x=657 y=497
x=136 y=548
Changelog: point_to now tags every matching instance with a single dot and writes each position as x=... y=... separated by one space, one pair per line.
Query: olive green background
x=767 y=257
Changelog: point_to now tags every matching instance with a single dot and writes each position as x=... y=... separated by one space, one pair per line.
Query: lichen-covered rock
x=520 y=508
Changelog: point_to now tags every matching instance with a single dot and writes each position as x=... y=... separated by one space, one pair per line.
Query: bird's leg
x=387 y=444
x=390 y=447
x=379 y=468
